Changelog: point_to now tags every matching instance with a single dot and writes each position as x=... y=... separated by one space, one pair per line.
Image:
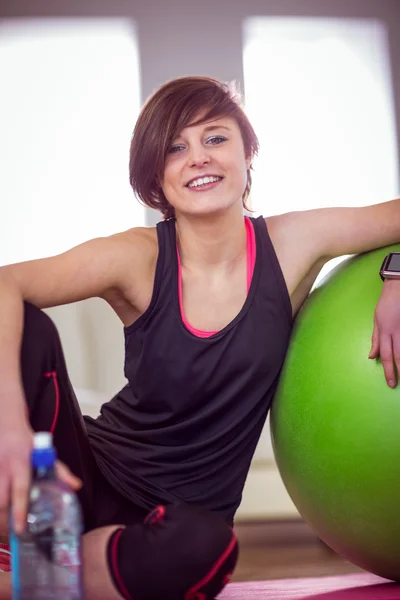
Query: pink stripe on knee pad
x=114 y=564
x=156 y=515
x=193 y=593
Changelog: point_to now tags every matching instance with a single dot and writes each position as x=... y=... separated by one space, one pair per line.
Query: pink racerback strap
x=251 y=261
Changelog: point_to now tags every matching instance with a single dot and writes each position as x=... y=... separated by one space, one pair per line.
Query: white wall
x=67 y=112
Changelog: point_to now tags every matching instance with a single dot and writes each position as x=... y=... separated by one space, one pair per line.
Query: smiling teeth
x=203 y=181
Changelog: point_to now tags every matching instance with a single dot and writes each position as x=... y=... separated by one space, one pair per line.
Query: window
x=70 y=98
x=319 y=94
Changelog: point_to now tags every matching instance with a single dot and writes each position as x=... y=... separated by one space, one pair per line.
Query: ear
x=248 y=162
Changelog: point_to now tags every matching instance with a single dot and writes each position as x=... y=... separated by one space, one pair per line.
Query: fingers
x=374 y=352
x=20 y=491
x=19 y=496
x=67 y=476
x=387 y=358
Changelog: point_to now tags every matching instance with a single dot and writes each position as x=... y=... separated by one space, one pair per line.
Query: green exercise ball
x=335 y=423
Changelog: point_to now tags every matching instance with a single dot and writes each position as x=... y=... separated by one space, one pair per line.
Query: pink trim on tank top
x=251 y=261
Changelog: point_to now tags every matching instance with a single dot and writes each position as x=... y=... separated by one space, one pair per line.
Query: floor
x=285 y=549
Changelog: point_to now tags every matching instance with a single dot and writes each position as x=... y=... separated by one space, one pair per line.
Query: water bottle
x=46 y=557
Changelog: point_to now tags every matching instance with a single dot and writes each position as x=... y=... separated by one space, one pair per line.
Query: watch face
x=394 y=263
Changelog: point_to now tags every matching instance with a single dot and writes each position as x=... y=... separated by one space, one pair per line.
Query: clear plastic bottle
x=46 y=558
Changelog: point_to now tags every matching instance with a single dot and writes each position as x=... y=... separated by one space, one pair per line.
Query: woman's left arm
x=355 y=230
x=305 y=240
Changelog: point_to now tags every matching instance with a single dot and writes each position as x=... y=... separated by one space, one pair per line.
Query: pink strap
x=251 y=261
x=53 y=375
x=251 y=251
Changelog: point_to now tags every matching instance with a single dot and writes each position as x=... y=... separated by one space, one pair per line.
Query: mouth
x=201 y=184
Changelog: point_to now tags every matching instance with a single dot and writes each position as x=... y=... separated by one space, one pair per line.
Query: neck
x=214 y=242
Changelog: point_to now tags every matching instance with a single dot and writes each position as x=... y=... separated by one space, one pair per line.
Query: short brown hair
x=169 y=110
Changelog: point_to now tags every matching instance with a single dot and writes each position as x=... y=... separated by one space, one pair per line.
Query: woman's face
x=206 y=168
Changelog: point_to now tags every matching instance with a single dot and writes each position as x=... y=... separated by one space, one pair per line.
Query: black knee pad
x=178 y=553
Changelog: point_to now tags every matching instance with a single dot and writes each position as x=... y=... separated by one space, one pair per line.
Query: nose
x=198 y=156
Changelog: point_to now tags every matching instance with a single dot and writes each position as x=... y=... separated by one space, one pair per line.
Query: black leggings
x=187 y=552
x=53 y=406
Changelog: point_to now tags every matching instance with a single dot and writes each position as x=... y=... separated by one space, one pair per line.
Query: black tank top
x=187 y=424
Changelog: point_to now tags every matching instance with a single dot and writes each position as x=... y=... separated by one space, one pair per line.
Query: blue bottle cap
x=43 y=453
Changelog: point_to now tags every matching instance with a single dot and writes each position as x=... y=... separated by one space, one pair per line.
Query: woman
x=207 y=300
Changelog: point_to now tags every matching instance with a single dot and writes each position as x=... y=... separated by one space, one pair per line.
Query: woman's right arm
x=99 y=267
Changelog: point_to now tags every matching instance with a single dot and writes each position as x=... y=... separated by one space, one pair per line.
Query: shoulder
x=136 y=252
x=297 y=226
x=313 y=233
x=298 y=241
x=300 y=232
x=136 y=247
x=139 y=238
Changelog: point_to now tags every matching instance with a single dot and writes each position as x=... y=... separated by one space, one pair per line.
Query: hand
x=386 y=333
x=16 y=439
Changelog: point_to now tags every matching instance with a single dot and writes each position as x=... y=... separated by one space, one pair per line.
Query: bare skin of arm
x=117 y=269
x=304 y=241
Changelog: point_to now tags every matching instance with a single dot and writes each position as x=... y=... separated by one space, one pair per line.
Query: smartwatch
x=390 y=268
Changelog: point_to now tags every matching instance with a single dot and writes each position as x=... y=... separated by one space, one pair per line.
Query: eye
x=175 y=149
x=216 y=139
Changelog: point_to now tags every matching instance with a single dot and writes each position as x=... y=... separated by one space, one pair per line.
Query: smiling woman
x=206 y=299
x=201 y=163
x=193 y=118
